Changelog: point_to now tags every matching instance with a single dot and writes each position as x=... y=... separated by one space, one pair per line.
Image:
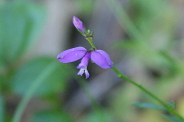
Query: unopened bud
x=78 y=24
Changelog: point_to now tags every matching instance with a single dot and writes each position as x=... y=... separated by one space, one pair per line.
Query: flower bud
x=78 y=24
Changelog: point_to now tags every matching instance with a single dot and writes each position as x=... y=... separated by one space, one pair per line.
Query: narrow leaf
x=172 y=118
x=51 y=116
x=20 y=24
x=149 y=106
x=55 y=81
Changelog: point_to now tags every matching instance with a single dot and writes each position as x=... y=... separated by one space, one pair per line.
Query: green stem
x=91 y=42
x=31 y=90
x=170 y=109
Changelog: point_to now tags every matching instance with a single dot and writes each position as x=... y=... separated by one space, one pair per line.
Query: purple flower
x=100 y=57
x=78 y=24
x=83 y=65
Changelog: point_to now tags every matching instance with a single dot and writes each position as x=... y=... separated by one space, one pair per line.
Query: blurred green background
x=145 y=39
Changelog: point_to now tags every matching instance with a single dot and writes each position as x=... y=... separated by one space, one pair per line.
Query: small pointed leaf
x=149 y=106
x=172 y=118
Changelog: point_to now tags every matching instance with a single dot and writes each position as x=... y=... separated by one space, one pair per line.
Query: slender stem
x=31 y=90
x=91 y=42
x=170 y=109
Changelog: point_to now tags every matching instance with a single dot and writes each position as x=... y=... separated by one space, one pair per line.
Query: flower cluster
x=100 y=57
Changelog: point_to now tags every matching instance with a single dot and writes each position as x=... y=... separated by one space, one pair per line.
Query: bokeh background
x=145 y=39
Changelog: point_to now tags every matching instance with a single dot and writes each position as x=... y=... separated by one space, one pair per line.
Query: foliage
x=151 y=42
x=20 y=25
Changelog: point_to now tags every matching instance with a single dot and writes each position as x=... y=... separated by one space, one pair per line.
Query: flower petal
x=82 y=71
x=87 y=74
x=84 y=61
x=72 y=54
x=101 y=58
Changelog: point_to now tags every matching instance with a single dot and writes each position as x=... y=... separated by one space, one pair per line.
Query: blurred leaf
x=103 y=116
x=2 y=2
x=1 y=109
x=20 y=24
x=49 y=116
x=54 y=83
x=172 y=118
x=160 y=60
x=149 y=15
x=85 y=5
x=149 y=106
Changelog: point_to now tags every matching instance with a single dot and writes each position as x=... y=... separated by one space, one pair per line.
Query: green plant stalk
x=132 y=30
x=170 y=109
x=91 y=42
x=120 y=75
x=32 y=89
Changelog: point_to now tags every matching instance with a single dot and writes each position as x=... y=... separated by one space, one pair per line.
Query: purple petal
x=78 y=24
x=101 y=58
x=87 y=74
x=82 y=71
x=84 y=61
x=83 y=65
x=72 y=54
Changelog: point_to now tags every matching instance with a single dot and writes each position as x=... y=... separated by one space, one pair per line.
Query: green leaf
x=49 y=116
x=149 y=106
x=85 y=5
x=103 y=116
x=172 y=118
x=1 y=109
x=54 y=82
x=20 y=24
x=100 y=116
